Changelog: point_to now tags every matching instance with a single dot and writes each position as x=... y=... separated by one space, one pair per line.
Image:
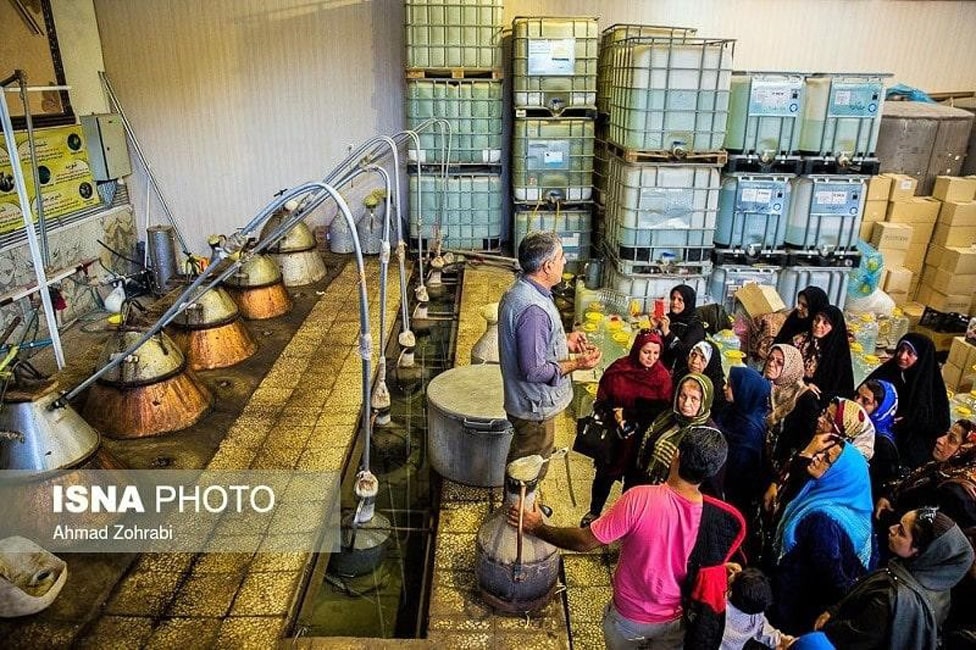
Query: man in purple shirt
x=534 y=348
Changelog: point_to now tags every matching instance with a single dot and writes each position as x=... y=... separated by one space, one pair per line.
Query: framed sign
x=29 y=42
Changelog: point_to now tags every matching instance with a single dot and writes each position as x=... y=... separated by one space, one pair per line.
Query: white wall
x=236 y=99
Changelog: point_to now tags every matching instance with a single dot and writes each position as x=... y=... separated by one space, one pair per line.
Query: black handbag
x=594 y=439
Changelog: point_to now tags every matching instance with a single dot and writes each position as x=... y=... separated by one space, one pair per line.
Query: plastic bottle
x=732 y=358
x=899 y=327
x=857 y=362
x=868 y=333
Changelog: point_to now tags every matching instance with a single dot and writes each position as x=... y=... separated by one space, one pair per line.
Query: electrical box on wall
x=108 y=152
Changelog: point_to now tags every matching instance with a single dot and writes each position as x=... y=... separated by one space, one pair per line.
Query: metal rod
x=35 y=168
x=25 y=206
x=144 y=160
x=35 y=89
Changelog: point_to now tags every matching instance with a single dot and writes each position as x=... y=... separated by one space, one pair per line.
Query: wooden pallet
x=570 y=112
x=454 y=73
x=667 y=156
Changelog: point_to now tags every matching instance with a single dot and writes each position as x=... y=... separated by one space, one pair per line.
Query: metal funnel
x=34 y=437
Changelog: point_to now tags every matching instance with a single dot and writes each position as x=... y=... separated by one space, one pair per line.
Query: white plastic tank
x=752 y=211
x=552 y=158
x=472 y=108
x=670 y=95
x=842 y=114
x=765 y=111
x=833 y=280
x=825 y=212
x=554 y=62
x=452 y=34
x=464 y=210
x=656 y=210
x=726 y=280
x=573 y=226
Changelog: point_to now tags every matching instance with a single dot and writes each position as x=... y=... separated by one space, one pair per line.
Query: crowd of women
x=861 y=500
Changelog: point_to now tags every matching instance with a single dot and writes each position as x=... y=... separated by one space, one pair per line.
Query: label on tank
x=665 y=208
x=547 y=154
x=835 y=200
x=774 y=98
x=760 y=196
x=551 y=56
x=854 y=99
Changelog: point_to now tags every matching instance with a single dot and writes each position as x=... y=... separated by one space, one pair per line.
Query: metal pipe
x=198 y=286
x=144 y=160
x=32 y=148
x=39 y=272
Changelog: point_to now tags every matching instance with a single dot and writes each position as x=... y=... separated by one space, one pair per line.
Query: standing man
x=662 y=552
x=534 y=348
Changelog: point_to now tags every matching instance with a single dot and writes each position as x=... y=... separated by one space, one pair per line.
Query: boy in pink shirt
x=657 y=526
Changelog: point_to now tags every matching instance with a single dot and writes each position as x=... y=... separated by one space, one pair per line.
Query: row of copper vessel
x=154 y=390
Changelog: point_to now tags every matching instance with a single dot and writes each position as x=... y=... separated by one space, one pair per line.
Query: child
x=749 y=597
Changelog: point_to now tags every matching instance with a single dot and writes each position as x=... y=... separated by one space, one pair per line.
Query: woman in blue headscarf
x=824 y=540
x=880 y=400
x=744 y=426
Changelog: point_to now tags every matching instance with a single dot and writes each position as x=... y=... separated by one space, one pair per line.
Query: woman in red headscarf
x=632 y=392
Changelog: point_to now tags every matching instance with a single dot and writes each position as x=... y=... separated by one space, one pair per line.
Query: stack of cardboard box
x=949 y=277
x=901 y=225
x=957 y=372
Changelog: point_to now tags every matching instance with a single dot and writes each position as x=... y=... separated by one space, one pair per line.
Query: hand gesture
x=531 y=518
x=589 y=358
x=881 y=507
x=664 y=324
x=576 y=342
x=821 y=621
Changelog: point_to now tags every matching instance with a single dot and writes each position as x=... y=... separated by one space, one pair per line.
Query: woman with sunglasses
x=923 y=406
x=823 y=543
x=902 y=605
x=632 y=392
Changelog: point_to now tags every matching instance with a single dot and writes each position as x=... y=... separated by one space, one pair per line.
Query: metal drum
x=468 y=434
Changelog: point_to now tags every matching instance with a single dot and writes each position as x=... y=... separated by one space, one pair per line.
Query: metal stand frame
x=37 y=255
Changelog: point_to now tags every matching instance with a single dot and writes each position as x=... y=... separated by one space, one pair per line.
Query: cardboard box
x=958 y=213
x=899 y=298
x=897 y=279
x=874 y=211
x=950 y=236
x=864 y=233
x=759 y=299
x=894 y=256
x=961 y=353
x=948 y=282
x=891 y=236
x=915 y=258
x=919 y=209
x=952 y=376
x=954 y=188
x=914 y=311
x=902 y=187
x=922 y=234
x=879 y=188
x=955 y=303
x=961 y=260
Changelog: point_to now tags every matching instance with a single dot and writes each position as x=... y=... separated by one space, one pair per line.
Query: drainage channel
x=380 y=588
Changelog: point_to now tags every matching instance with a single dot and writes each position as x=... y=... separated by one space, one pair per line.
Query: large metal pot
x=468 y=434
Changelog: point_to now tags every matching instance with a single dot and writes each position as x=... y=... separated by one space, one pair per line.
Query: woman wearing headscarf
x=794 y=408
x=681 y=328
x=923 y=406
x=826 y=353
x=903 y=605
x=744 y=426
x=692 y=407
x=879 y=399
x=823 y=542
x=633 y=391
x=808 y=302
x=706 y=359
x=947 y=481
